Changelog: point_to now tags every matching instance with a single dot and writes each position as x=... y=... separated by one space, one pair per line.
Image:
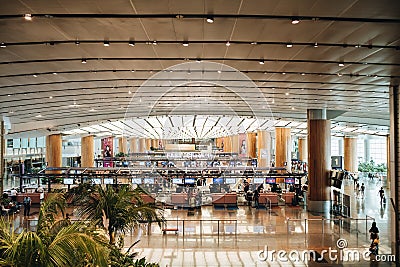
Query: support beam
x=319 y=153
x=142 y=145
x=133 y=145
x=283 y=145
x=350 y=154
x=303 y=153
x=263 y=148
x=53 y=152
x=87 y=151
x=394 y=202
x=122 y=145
x=251 y=145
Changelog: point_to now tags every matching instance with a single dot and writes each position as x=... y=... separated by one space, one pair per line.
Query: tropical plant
x=372 y=167
x=116 y=208
x=57 y=242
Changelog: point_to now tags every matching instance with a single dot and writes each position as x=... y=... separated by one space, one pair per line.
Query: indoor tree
x=56 y=242
x=117 y=208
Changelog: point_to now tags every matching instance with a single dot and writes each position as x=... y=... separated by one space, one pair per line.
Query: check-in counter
x=179 y=199
x=265 y=198
x=288 y=196
x=222 y=199
x=148 y=198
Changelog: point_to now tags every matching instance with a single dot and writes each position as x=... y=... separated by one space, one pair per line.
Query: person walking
x=357 y=188
x=27 y=205
x=256 y=197
x=362 y=189
x=382 y=195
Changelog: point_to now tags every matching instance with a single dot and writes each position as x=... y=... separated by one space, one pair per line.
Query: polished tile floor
x=211 y=237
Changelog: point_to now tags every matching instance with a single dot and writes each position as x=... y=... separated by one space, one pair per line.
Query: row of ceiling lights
x=186 y=43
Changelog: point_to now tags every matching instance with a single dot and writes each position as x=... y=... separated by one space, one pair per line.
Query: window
x=335 y=147
x=377 y=150
x=360 y=150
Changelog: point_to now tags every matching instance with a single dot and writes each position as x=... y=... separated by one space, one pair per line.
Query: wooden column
x=263 y=148
x=133 y=145
x=53 y=151
x=251 y=145
x=142 y=145
x=235 y=143
x=319 y=153
x=148 y=144
x=350 y=154
x=154 y=143
x=122 y=145
x=303 y=153
x=394 y=159
x=87 y=151
x=227 y=144
x=2 y=151
x=283 y=148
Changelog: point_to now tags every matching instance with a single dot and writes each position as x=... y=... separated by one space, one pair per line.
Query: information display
x=149 y=180
x=136 y=180
x=190 y=180
x=230 y=180
x=258 y=180
x=68 y=181
x=271 y=180
x=176 y=180
x=96 y=181
x=218 y=180
x=108 y=180
x=289 y=180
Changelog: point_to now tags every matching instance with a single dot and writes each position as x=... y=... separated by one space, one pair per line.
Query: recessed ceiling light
x=210 y=19
x=253 y=43
x=77 y=42
x=185 y=43
x=34 y=75
x=154 y=42
x=341 y=64
x=83 y=61
x=131 y=43
x=376 y=76
x=339 y=74
x=3 y=45
x=261 y=62
x=38 y=116
x=283 y=73
x=295 y=21
x=92 y=110
x=11 y=111
x=198 y=60
x=289 y=45
x=55 y=73
x=219 y=71
x=8 y=95
x=303 y=74
x=132 y=70
x=28 y=17
x=50 y=97
x=129 y=92
x=228 y=43
x=292 y=108
x=287 y=93
x=315 y=44
x=106 y=43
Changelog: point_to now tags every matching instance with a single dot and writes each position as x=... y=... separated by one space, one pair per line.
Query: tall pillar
x=303 y=153
x=388 y=159
x=319 y=153
x=133 y=145
x=367 y=154
x=2 y=153
x=340 y=144
x=154 y=143
x=235 y=143
x=122 y=145
x=394 y=201
x=148 y=144
x=283 y=145
x=263 y=148
x=251 y=145
x=228 y=144
x=142 y=145
x=350 y=154
x=87 y=151
x=53 y=151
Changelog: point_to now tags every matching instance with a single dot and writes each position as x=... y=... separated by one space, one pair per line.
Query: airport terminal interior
x=262 y=132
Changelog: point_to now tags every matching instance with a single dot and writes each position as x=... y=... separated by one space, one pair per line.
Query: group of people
x=360 y=190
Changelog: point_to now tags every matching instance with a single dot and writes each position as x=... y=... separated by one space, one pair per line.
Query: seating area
x=36 y=198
